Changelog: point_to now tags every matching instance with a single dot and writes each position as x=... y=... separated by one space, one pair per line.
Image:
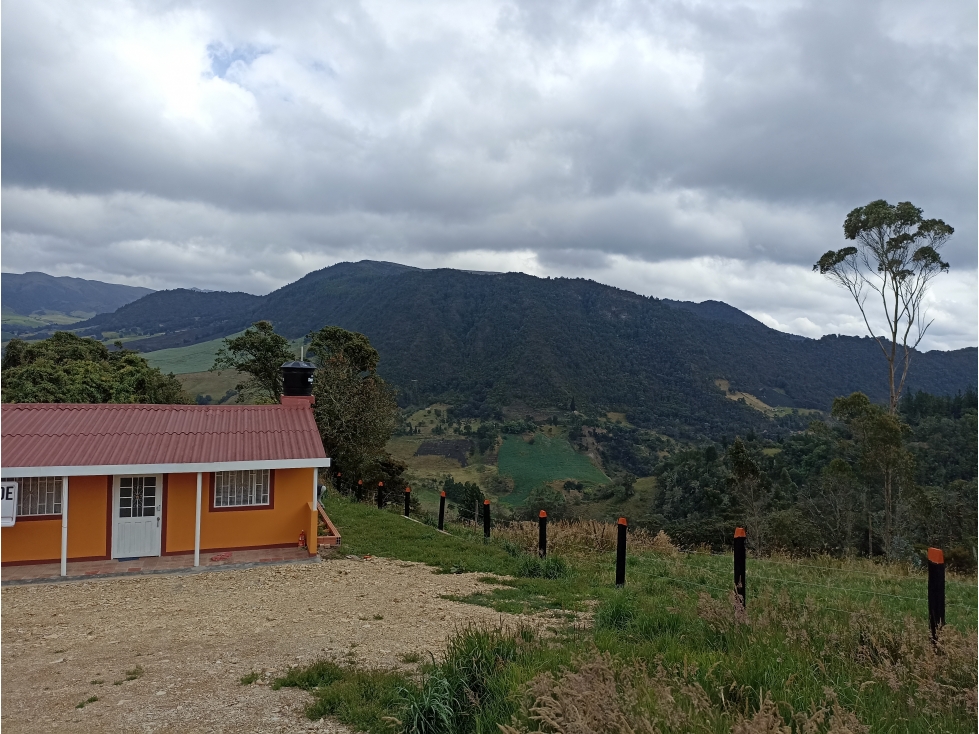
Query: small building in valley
x=125 y=481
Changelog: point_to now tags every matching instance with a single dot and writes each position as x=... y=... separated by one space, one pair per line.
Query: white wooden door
x=136 y=512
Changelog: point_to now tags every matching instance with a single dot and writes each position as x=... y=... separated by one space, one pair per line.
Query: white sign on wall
x=8 y=504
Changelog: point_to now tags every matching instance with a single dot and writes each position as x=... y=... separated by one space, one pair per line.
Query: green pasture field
x=216 y=384
x=183 y=360
x=546 y=459
x=196 y=357
x=43 y=320
x=841 y=646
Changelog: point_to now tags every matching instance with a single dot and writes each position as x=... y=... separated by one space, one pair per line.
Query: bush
x=317 y=675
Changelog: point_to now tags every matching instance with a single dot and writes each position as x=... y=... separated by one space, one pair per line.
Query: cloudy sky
x=687 y=150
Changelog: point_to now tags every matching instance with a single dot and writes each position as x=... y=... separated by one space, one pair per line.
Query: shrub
x=319 y=674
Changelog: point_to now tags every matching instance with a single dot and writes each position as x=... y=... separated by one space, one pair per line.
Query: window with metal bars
x=38 y=495
x=241 y=488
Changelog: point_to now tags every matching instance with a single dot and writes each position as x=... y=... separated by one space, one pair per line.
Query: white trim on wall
x=89 y=471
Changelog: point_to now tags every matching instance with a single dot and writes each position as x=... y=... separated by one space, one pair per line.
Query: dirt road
x=185 y=641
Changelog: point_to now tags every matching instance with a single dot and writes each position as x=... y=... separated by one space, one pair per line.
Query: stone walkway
x=47 y=572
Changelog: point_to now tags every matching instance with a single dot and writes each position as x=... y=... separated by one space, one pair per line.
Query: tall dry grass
x=600 y=694
x=581 y=537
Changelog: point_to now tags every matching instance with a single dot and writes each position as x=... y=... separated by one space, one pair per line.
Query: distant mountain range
x=491 y=339
x=28 y=293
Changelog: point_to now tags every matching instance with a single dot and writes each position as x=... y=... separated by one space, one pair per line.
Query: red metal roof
x=66 y=434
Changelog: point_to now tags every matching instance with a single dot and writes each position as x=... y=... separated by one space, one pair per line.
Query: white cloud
x=685 y=150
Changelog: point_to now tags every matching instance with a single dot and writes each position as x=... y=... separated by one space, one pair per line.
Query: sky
x=686 y=150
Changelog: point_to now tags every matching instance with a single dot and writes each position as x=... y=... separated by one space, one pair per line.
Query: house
x=123 y=481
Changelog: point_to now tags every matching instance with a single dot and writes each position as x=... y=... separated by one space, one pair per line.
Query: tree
x=355 y=409
x=544 y=497
x=896 y=256
x=883 y=460
x=66 y=368
x=830 y=501
x=753 y=489
x=259 y=353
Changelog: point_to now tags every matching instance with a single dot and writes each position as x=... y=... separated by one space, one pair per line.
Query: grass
x=247 y=680
x=43 y=319
x=131 y=674
x=83 y=704
x=545 y=460
x=216 y=384
x=196 y=357
x=831 y=644
x=425 y=471
x=183 y=360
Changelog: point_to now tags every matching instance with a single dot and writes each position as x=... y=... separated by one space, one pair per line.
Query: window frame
x=39 y=516
x=212 y=495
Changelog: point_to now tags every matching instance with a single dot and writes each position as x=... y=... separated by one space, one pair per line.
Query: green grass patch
x=363 y=699
x=544 y=460
x=196 y=357
x=217 y=384
x=181 y=360
x=42 y=319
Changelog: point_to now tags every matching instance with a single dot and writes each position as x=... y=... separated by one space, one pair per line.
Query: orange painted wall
x=31 y=540
x=40 y=540
x=279 y=525
x=88 y=516
x=180 y=508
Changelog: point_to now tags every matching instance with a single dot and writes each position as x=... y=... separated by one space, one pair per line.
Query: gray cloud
x=236 y=145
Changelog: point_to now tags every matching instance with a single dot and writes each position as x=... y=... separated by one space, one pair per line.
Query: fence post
x=542 y=534
x=936 y=591
x=380 y=495
x=407 y=501
x=486 y=519
x=620 y=554
x=339 y=483
x=442 y=511
x=739 y=565
x=360 y=490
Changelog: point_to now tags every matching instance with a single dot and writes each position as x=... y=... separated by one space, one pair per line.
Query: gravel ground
x=189 y=638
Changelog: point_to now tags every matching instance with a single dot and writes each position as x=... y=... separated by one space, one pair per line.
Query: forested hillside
x=485 y=340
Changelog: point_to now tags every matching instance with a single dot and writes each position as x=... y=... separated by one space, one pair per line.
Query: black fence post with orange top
x=380 y=495
x=936 y=591
x=360 y=490
x=339 y=483
x=542 y=534
x=442 y=511
x=486 y=518
x=620 y=554
x=407 y=501
x=740 y=552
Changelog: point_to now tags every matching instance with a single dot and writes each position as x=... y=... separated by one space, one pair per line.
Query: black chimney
x=297 y=378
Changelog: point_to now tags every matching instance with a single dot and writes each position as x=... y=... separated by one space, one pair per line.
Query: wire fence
x=846 y=590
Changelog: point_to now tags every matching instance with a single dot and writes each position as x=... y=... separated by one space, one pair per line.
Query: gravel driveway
x=187 y=639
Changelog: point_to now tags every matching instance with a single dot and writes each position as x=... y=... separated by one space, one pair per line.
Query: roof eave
x=113 y=469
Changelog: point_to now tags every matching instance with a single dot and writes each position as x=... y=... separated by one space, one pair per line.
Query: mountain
x=491 y=339
x=27 y=293
x=715 y=311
